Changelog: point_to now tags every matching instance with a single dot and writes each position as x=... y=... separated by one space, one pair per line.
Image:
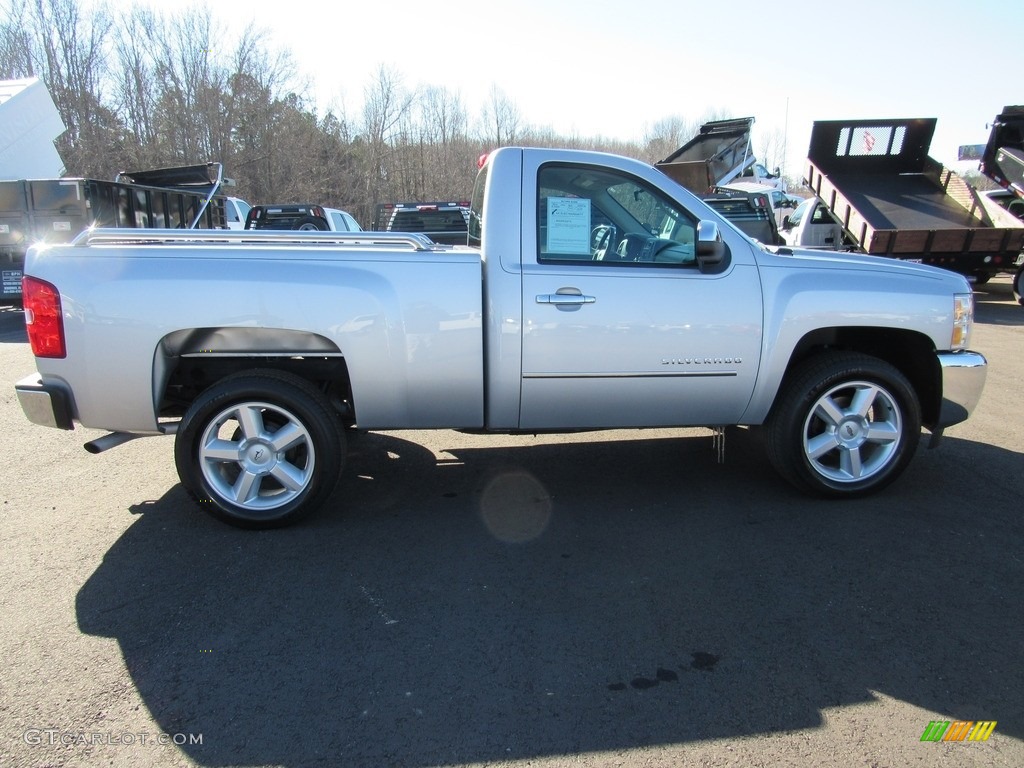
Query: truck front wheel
x=260 y=449
x=845 y=425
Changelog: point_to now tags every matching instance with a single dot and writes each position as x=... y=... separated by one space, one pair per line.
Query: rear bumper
x=963 y=378
x=44 y=404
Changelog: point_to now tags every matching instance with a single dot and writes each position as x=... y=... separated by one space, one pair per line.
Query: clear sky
x=615 y=67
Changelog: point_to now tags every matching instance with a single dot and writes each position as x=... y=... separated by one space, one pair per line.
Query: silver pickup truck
x=595 y=293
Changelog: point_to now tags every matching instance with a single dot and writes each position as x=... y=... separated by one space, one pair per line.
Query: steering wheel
x=603 y=237
x=632 y=246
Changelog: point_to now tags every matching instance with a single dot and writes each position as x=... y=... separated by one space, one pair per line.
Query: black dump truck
x=58 y=210
x=718 y=154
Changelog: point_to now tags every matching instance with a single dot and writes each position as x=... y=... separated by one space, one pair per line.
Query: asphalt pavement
x=607 y=599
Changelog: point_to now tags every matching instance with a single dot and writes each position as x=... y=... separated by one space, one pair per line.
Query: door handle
x=565 y=296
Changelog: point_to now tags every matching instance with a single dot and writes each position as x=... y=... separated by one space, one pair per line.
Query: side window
x=243 y=210
x=606 y=217
x=822 y=216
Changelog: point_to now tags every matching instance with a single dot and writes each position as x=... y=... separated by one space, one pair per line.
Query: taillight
x=43 y=317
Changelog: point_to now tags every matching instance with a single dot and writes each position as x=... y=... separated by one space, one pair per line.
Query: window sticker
x=568 y=225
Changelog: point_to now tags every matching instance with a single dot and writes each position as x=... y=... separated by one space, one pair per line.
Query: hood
x=786 y=256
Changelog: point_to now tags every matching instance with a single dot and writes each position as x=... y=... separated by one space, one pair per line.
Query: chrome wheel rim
x=852 y=432
x=257 y=456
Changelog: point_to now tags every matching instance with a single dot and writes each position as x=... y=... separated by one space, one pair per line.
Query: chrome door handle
x=565 y=296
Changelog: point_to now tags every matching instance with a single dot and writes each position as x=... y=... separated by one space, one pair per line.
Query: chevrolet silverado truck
x=595 y=292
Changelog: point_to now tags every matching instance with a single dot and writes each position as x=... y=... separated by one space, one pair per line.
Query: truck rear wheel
x=1018 y=285
x=260 y=450
x=845 y=425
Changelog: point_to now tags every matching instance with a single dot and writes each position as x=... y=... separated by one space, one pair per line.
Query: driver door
x=621 y=327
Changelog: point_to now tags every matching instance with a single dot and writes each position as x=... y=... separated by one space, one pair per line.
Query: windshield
x=801 y=210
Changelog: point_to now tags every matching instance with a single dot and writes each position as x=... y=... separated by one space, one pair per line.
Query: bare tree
x=501 y=121
x=160 y=89
x=17 y=52
x=386 y=107
x=771 y=148
x=134 y=82
x=69 y=51
x=666 y=136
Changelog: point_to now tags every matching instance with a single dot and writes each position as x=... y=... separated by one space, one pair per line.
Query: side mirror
x=786 y=223
x=710 y=249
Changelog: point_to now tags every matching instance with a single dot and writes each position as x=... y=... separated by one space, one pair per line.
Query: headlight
x=963 y=317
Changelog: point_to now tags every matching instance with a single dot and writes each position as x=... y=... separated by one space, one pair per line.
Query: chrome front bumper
x=963 y=378
x=44 y=404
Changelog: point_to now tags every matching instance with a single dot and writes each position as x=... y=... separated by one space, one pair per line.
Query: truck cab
x=235 y=211
x=812 y=225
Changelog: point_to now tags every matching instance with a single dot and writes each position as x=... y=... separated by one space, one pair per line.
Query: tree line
x=150 y=89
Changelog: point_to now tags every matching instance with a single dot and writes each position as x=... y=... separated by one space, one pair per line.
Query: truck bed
x=892 y=199
x=903 y=202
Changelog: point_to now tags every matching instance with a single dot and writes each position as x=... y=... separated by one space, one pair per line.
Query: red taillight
x=43 y=317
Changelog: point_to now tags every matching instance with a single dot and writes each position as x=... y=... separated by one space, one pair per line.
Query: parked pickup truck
x=595 y=293
x=443 y=222
x=885 y=196
x=301 y=217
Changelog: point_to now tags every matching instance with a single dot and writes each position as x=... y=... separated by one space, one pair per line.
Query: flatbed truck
x=890 y=198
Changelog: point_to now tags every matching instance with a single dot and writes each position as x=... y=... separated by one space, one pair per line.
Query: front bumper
x=45 y=404
x=963 y=378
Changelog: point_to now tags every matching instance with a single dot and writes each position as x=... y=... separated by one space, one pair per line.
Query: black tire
x=980 y=278
x=225 y=447
x=1018 y=286
x=310 y=224
x=844 y=425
